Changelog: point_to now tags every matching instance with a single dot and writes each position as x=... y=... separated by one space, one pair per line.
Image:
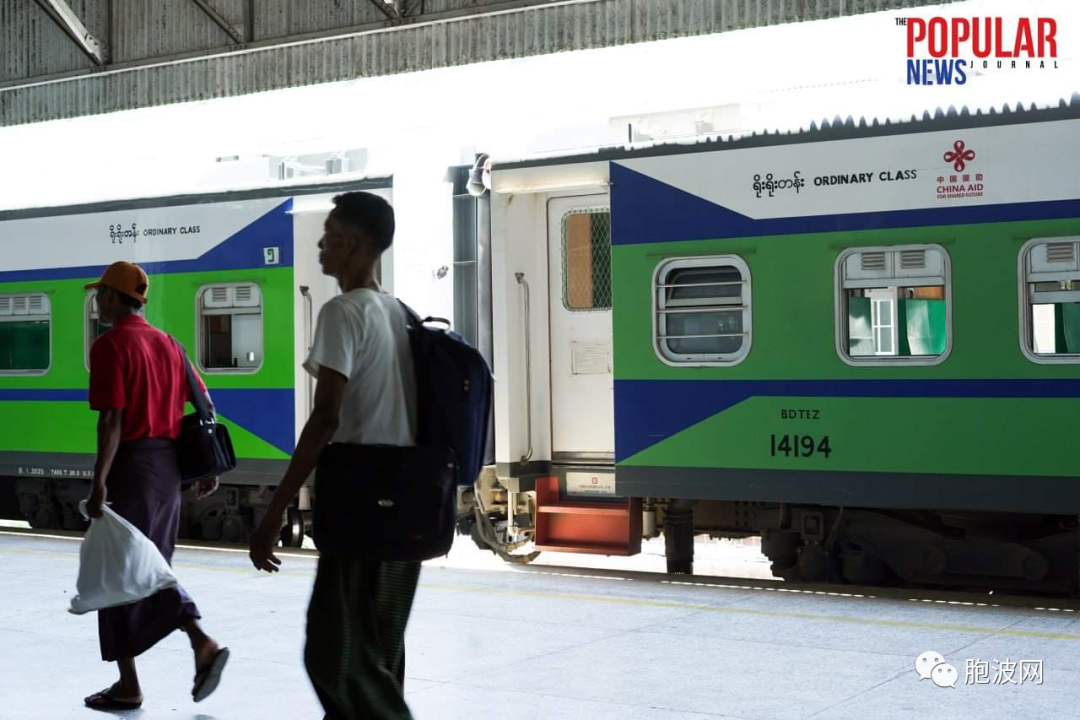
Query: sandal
x=103 y=701
x=207 y=679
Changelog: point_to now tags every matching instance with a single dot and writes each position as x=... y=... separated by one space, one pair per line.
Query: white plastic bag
x=117 y=565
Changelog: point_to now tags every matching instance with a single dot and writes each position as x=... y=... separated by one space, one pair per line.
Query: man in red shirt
x=138 y=384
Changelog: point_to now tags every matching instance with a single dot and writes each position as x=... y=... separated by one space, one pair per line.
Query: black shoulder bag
x=203 y=447
x=382 y=502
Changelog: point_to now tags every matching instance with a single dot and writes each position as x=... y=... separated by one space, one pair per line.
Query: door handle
x=308 y=303
x=528 y=369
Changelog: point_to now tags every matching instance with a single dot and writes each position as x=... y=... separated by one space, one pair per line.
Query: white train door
x=582 y=383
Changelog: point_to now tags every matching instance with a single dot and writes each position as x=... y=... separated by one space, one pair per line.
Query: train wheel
x=46 y=516
x=813 y=563
x=787 y=573
x=292 y=535
x=680 y=566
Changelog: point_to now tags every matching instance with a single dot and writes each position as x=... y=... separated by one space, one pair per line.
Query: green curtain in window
x=1059 y=329
x=24 y=345
x=1068 y=322
x=860 y=327
x=923 y=327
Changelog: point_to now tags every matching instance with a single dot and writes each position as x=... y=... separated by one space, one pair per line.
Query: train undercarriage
x=818 y=544
x=228 y=515
x=804 y=543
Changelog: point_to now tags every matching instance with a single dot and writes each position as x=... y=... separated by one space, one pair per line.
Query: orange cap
x=124 y=277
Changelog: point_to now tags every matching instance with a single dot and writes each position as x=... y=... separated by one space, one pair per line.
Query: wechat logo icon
x=932 y=666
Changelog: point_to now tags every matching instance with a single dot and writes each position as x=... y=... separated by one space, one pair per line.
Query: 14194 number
x=800 y=446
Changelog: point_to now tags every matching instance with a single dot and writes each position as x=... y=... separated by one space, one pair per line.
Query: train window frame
x=840 y=320
x=661 y=305
x=1024 y=274
x=200 y=335
x=565 y=252
x=35 y=372
x=88 y=318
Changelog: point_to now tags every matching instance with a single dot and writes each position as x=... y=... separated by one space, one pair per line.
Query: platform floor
x=495 y=641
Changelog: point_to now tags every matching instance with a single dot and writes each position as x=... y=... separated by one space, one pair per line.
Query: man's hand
x=206 y=487
x=96 y=501
x=318 y=431
x=263 y=542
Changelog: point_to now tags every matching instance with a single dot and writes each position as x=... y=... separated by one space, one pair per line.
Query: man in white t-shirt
x=365 y=394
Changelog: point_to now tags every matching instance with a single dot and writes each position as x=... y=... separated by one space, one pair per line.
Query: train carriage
x=860 y=342
x=234 y=277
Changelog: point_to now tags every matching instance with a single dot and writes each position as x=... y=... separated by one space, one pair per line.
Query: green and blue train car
x=860 y=342
x=234 y=277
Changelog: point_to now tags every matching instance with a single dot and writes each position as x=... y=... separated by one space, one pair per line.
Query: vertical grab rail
x=305 y=291
x=528 y=370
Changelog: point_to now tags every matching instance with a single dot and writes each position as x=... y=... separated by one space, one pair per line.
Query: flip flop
x=207 y=679
x=103 y=701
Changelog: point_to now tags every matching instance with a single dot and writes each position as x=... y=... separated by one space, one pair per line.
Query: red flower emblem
x=959 y=155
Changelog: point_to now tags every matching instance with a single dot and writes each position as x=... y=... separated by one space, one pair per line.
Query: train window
x=25 y=339
x=1050 y=300
x=702 y=311
x=94 y=328
x=230 y=327
x=893 y=305
x=586 y=246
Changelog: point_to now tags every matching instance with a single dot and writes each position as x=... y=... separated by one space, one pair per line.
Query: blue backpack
x=453 y=394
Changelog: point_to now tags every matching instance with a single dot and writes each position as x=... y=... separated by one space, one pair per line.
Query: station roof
x=65 y=59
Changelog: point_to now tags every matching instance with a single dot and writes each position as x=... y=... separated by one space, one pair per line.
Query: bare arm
x=317 y=432
x=109 y=427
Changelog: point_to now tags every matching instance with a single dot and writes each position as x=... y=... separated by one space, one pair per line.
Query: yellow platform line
x=639 y=602
x=614 y=600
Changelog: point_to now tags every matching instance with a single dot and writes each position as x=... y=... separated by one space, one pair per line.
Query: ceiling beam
x=389 y=8
x=72 y=26
x=410 y=8
x=235 y=35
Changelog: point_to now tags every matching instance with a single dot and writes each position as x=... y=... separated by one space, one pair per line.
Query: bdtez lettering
x=792 y=414
x=771 y=185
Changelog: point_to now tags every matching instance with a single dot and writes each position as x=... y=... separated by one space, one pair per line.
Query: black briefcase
x=203 y=448
x=381 y=502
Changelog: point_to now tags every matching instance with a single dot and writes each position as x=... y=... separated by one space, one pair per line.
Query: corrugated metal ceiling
x=168 y=51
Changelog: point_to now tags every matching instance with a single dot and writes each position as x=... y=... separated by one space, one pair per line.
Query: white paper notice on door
x=590 y=358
